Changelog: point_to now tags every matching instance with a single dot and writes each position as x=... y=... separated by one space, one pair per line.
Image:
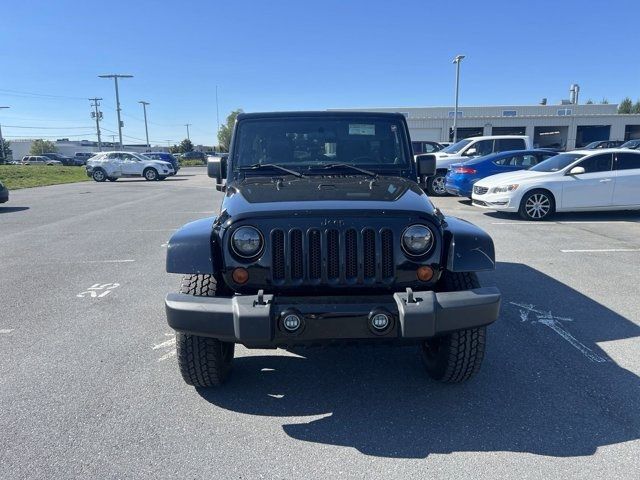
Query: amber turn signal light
x=424 y=273
x=240 y=276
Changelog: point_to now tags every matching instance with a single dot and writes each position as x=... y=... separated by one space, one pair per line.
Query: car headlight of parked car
x=247 y=242
x=417 y=240
x=505 y=188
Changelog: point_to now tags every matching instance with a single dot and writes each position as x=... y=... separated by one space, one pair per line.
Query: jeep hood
x=319 y=193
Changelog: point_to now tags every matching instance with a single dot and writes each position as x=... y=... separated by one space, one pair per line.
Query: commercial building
x=565 y=126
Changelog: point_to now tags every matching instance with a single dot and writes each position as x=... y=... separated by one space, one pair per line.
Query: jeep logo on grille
x=332 y=223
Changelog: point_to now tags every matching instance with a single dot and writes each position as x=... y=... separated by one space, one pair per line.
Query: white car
x=113 y=165
x=581 y=180
x=466 y=150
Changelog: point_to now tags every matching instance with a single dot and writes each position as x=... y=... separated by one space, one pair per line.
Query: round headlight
x=246 y=242
x=417 y=240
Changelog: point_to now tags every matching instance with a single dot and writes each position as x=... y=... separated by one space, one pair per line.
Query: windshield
x=141 y=157
x=592 y=145
x=556 y=163
x=456 y=147
x=304 y=143
x=630 y=144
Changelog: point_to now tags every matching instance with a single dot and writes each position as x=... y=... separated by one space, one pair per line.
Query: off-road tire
x=435 y=184
x=150 y=174
x=203 y=361
x=455 y=357
x=537 y=205
x=99 y=175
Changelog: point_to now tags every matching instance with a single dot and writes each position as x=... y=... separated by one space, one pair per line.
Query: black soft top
x=323 y=113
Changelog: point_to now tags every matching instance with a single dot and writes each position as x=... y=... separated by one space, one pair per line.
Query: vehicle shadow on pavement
x=12 y=209
x=546 y=387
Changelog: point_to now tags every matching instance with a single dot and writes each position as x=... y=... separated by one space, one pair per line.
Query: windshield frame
x=406 y=169
x=576 y=157
x=452 y=148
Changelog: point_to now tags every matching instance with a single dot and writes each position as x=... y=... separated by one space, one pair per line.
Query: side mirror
x=214 y=169
x=426 y=164
x=577 y=171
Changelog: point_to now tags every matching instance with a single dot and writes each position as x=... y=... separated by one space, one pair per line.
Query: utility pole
x=115 y=77
x=2 y=143
x=97 y=114
x=168 y=143
x=217 y=114
x=457 y=61
x=146 y=130
x=188 y=125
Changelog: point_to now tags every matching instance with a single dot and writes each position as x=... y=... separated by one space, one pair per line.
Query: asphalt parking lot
x=89 y=387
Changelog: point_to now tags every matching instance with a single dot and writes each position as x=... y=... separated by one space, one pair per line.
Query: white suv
x=113 y=165
x=468 y=149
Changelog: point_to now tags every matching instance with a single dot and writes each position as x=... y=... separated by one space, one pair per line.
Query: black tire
x=99 y=175
x=112 y=179
x=455 y=357
x=162 y=178
x=150 y=174
x=537 y=205
x=203 y=361
x=435 y=184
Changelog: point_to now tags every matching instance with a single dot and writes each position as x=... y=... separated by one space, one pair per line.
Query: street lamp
x=146 y=130
x=2 y=142
x=457 y=61
x=115 y=77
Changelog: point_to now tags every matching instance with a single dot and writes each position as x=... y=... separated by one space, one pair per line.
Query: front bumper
x=256 y=321
x=500 y=202
x=4 y=196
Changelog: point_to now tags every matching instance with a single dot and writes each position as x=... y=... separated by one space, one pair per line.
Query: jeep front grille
x=332 y=256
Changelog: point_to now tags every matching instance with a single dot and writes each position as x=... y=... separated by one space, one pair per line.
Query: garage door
x=423 y=134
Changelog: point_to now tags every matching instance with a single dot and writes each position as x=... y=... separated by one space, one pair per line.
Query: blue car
x=165 y=157
x=461 y=176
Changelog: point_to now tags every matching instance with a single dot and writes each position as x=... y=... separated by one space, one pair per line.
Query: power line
x=33 y=94
x=47 y=128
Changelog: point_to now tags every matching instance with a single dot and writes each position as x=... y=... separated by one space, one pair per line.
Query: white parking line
x=538 y=224
x=5 y=330
x=127 y=260
x=602 y=250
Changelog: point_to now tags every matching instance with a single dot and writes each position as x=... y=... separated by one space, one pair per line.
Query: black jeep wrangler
x=324 y=236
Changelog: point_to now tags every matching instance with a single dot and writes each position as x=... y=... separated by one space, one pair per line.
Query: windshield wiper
x=273 y=166
x=329 y=166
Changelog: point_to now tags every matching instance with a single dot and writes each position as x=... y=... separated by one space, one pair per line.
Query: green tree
x=5 y=150
x=625 y=106
x=636 y=107
x=589 y=102
x=38 y=147
x=604 y=101
x=174 y=149
x=226 y=130
x=186 y=146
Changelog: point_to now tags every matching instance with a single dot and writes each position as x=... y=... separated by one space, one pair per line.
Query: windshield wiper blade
x=329 y=166
x=260 y=166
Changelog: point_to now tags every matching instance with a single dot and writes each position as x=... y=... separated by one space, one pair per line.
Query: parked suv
x=194 y=156
x=113 y=165
x=466 y=150
x=324 y=236
x=80 y=158
x=165 y=157
x=63 y=159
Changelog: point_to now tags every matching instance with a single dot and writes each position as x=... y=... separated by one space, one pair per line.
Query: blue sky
x=281 y=55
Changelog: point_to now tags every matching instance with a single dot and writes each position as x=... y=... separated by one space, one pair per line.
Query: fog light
x=424 y=273
x=380 y=321
x=292 y=322
x=240 y=276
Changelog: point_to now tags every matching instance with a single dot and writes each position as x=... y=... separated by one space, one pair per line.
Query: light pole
x=98 y=116
x=457 y=61
x=188 y=125
x=146 y=130
x=115 y=77
x=2 y=143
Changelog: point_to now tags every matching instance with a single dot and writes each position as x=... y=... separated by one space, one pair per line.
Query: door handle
x=605 y=180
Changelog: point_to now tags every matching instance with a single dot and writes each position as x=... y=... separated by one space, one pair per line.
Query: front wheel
x=537 y=205
x=150 y=174
x=435 y=185
x=98 y=175
x=113 y=179
x=203 y=361
x=455 y=357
